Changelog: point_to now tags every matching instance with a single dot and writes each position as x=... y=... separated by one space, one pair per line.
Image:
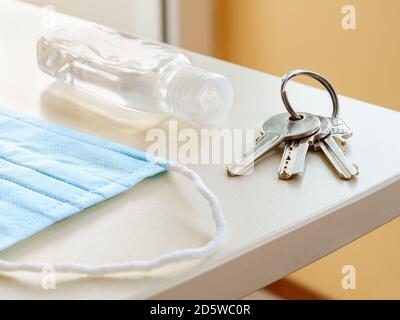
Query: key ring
x=317 y=77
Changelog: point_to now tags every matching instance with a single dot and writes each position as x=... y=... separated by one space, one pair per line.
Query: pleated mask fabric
x=48 y=173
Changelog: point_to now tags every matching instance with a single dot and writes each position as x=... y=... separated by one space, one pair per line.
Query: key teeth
x=340 y=141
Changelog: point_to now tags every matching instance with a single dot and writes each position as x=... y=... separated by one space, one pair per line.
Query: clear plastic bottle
x=133 y=72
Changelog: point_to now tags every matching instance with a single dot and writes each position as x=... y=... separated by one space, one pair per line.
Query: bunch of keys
x=300 y=132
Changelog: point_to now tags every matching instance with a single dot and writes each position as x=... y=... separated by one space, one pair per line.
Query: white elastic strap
x=141 y=265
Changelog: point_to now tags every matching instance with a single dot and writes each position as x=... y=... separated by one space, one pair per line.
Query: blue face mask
x=48 y=173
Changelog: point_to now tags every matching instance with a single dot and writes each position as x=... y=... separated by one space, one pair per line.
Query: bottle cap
x=200 y=96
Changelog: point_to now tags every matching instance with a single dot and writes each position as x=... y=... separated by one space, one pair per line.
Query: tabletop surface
x=272 y=225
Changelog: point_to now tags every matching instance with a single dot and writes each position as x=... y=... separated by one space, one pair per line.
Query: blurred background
x=355 y=43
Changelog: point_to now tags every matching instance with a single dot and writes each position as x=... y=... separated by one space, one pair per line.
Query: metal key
x=340 y=131
x=336 y=158
x=274 y=131
x=294 y=155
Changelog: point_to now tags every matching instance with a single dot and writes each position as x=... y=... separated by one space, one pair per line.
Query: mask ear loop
x=142 y=265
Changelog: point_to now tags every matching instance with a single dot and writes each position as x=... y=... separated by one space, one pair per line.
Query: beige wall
x=279 y=35
x=191 y=24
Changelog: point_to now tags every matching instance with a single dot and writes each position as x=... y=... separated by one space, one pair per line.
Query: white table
x=274 y=227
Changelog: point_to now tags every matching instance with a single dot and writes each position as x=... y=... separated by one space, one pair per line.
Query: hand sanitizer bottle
x=130 y=71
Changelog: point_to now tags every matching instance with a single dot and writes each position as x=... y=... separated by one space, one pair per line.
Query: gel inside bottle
x=130 y=71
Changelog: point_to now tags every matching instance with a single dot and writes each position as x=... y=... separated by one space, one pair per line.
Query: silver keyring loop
x=315 y=76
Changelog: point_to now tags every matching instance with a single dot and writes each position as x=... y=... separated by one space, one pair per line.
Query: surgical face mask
x=48 y=173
